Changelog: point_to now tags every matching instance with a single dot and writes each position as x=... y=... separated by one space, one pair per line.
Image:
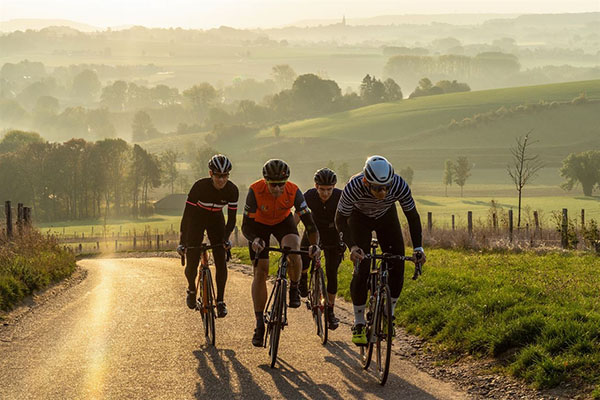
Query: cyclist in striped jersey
x=367 y=204
x=203 y=212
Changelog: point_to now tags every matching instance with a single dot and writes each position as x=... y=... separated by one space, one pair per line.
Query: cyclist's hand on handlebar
x=419 y=255
x=314 y=251
x=181 y=250
x=258 y=245
x=356 y=254
x=227 y=244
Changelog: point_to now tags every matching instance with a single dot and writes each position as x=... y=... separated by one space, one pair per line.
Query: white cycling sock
x=359 y=315
x=394 y=301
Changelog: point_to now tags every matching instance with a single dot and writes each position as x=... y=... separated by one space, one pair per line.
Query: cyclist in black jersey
x=368 y=204
x=203 y=212
x=322 y=201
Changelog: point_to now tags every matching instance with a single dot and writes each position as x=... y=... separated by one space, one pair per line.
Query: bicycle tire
x=322 y=307
x=210 y=316
x=277 y=322
x=366 y=352
x=384 y=335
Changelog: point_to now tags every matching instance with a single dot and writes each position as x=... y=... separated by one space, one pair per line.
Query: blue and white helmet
x=378 y=171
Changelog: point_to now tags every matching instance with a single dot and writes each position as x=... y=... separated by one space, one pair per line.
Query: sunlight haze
x=269 y=13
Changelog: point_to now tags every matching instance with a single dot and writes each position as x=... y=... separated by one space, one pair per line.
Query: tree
x=276 y=131
x=142 y=127
x=407 y=174
x=392 y=90
x=583 y=168
x=99 y=123
x=200 y=162
x=15 y=140
x=313 y=95
x=524 y=167
x=114 y=96
x=449 y=169
x=168 y=159
x=86 y=85
x=283 y=75
x=200 y=97
x=462 y=172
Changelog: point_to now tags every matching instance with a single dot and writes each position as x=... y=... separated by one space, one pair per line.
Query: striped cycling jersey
x=356 y=195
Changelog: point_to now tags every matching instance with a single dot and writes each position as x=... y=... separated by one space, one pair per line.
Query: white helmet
x=378 y=171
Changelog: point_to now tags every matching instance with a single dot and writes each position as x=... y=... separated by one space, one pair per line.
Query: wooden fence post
x=536 y=219
x=453 y=225
x=470 y=223
x=20 y=218
x=582 y=218
x=27 y=217
x=429 y=222
x=564 y=240
x=510 y=225
x=8 y=213
x=495 y=221
x=134 y=241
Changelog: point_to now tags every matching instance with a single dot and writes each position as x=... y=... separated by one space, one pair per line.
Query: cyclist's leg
x=259 y=287
x=332 y=263
x=390 y=238
x=361 y=227
x=193 y=256
x=287 y=235
x=215 y=233
x=305 y=266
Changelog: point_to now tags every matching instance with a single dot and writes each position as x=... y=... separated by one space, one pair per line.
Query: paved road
x=124 y=332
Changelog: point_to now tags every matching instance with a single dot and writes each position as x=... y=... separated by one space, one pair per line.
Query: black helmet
x=276 y=170
x=219 y=164
x=325 y=176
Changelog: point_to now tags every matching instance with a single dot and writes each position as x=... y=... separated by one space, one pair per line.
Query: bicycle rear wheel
x=208 y=313
x=384 y=334
x=277 y=321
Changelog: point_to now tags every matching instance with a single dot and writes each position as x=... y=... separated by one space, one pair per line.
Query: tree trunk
x=519 y=213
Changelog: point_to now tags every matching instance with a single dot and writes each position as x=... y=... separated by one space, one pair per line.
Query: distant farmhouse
x=171 y=204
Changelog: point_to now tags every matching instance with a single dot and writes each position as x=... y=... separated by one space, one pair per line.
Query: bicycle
x=318 y=300
x=275 y=315
x=380 y=325
x=205 y=291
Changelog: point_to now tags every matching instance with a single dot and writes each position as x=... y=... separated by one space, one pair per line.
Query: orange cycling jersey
x=264 y=208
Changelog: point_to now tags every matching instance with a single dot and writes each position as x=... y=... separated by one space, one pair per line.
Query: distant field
x=415 y=132
x=442 y=208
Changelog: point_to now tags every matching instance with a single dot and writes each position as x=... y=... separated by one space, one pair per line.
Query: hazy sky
x=252 y=13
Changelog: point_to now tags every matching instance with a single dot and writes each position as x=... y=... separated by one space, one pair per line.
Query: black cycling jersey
x=204 y=207
x=324 y=214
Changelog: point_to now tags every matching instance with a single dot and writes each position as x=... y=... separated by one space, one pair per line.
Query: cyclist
x=203 y=212
x=268 y=212
x=322 y=201
x=368 y=204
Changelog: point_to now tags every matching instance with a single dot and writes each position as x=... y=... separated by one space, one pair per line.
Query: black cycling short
x=285 y=227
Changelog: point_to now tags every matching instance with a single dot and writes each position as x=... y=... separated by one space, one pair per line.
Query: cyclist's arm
x=305 y=216
x=248 y=223
x=189 y=213
x=231 y=213
x=414 y=225
x=412 y=216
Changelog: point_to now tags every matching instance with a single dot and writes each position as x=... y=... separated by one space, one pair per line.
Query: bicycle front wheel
x=384 y=334
x=277 y=315
x=208 y=313
x=366 y=352
x=319 y=305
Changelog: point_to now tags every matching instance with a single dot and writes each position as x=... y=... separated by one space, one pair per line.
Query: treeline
x=489 y=69
x=505 y=112
x=79 y=179
x=150 y=112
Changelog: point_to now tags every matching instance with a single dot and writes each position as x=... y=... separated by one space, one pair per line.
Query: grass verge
x=28 y=263
x=539 y=314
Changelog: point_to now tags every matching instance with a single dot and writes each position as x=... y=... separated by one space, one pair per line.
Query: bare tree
x=524 y=166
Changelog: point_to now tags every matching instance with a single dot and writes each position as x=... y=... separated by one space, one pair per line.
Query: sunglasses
x=222 y=176
x=380 y=188
x=277 y=184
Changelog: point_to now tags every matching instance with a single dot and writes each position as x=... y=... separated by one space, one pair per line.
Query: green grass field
x=540 y=314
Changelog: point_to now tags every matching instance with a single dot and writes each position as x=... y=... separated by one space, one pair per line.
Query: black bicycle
x=205 y=291
x=380 y=317
x=276 y=309
x=318 y=300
